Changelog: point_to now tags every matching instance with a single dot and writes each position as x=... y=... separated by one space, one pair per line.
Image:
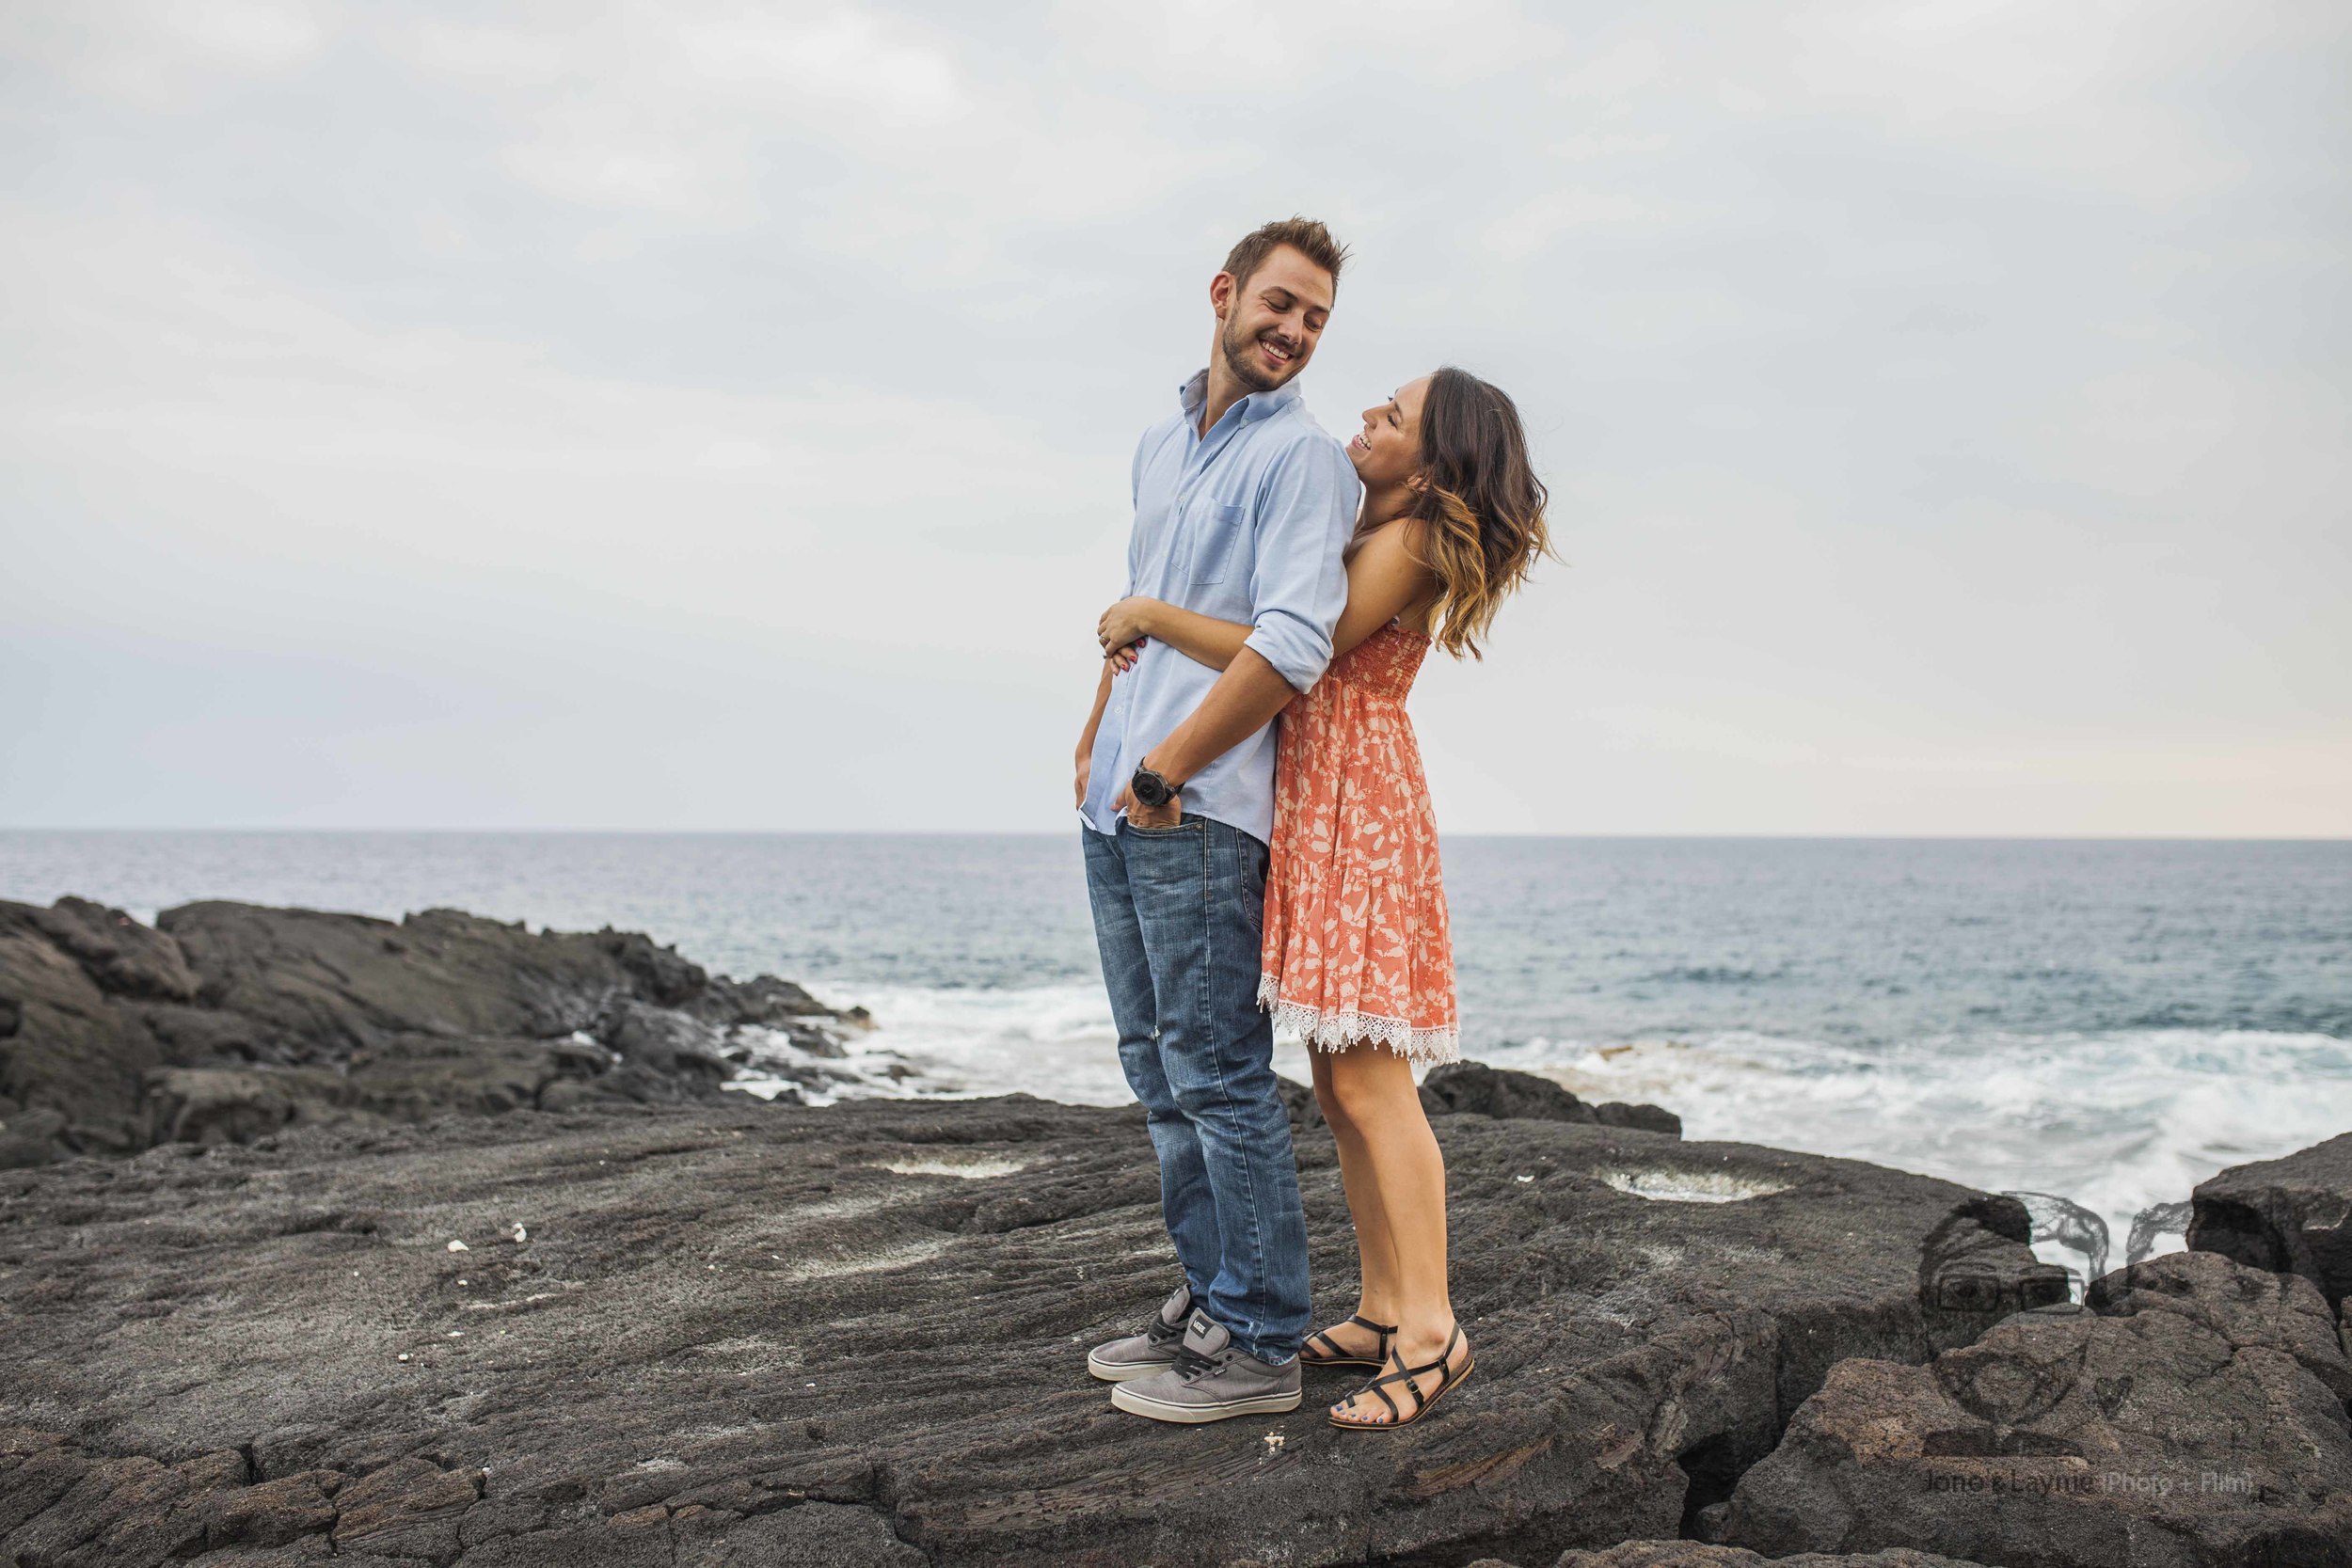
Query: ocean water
x=2104 y=1021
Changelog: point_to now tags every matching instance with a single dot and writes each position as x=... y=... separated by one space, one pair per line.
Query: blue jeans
x=1178 y=913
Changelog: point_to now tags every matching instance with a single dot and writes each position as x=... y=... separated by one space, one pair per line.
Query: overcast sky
x=718 y=417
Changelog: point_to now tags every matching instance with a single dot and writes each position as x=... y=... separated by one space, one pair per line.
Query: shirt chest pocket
x=1216 y=531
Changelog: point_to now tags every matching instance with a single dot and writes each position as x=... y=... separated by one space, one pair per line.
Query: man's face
x=1271 y=323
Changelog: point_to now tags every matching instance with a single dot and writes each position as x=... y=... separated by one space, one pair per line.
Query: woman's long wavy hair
x=1481 y=506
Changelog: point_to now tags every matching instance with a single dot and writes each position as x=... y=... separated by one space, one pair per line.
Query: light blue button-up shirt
x=1246 y=523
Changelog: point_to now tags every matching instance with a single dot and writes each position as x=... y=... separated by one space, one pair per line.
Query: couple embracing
x=1246 y=872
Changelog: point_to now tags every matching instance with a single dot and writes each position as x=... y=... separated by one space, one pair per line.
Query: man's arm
x=1248 y=693
x=1298 y=587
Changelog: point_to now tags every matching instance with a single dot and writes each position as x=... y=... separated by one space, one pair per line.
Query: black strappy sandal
x=1333 y=1356
x=1405 y=1376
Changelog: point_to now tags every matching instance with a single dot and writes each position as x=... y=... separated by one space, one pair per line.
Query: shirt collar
x=1257 y=405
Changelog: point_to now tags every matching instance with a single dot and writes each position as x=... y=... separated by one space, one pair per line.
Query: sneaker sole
x=1125 y=1372
x=1195 y=1414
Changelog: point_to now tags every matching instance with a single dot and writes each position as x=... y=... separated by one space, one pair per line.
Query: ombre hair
x=1480 y=506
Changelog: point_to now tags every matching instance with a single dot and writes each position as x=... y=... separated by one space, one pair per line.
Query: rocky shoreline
x=439 y=1243
x=224 y=1022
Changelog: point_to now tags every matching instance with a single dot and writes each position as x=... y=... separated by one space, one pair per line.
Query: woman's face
x=1387 y=451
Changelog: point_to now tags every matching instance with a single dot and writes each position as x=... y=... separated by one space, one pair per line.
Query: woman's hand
x=1123 y=657
x=1128 y=621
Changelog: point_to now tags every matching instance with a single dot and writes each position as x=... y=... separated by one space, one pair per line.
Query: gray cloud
x=696 y=418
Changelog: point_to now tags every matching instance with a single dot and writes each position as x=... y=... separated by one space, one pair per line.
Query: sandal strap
x=1405 y=1374
x=1442 y=1365
x=1327 y=1348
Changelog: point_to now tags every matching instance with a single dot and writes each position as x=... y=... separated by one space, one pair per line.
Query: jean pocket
x=1185 y=824
x=1216 y=528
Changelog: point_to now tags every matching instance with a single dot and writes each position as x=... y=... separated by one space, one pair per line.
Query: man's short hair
x=1304 y=235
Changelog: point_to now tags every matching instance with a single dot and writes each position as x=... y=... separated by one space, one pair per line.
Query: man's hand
x=1142 y=815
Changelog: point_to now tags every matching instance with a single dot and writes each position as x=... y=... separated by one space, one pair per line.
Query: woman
x=1356 y=957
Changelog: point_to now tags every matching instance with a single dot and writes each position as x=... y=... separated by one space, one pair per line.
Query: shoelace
x=1191 y=1364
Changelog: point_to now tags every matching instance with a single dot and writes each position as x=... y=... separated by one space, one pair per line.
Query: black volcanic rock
x=2247 y=1308
x=74 y=1052
x=325 y=984
x=1693 y=1554
x=121 y=956
x=1473 y=1088
x=1647 y=1118
x=728 y=1332
x=227 y=1021
x=2188 y=1418
x=2290 y=1215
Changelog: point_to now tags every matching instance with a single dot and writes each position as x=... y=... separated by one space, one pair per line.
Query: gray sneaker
x=1212 y=1380
x=1153 y=1350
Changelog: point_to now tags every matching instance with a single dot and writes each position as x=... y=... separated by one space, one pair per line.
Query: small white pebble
x=459 y=1246
x=461 y=1283
x=404 y=1355
x=1273 y=1442
x=520 y=1234
x=1522 y=1178
x=456 y=1332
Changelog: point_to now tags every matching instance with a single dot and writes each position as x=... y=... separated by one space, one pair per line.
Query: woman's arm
x=1382 y=581
x=1204 y=639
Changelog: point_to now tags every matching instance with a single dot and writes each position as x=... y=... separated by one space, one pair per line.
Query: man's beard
x=1243 y=361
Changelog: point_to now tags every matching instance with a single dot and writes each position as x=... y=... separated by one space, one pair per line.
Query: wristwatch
x=1151 y=789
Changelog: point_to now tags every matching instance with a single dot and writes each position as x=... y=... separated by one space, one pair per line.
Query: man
x=1243 y=506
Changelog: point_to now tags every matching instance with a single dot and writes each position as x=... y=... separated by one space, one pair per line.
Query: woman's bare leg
x=1373 y=1086
x=1375 y=1252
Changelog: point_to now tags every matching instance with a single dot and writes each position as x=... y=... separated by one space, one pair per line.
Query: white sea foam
x=2113 y=1121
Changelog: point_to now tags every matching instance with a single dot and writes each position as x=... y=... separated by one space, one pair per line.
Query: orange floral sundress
x=1357 y=943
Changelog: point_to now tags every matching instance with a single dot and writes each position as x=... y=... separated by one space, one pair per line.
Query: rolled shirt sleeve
x=1299 y=586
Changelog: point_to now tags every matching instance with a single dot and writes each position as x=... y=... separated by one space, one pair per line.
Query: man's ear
x=1222 y=293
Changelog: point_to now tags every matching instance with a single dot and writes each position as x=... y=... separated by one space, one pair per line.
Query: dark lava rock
x=1299 y=1103
x=1473 y=1088
x=2245 y=1307
x=32 y=1138
x=229 y=1021
x=1648 y=1119
x=731 y=1332
x=2289 y=1215
x=1692 y=1554
x=2185 y=1419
